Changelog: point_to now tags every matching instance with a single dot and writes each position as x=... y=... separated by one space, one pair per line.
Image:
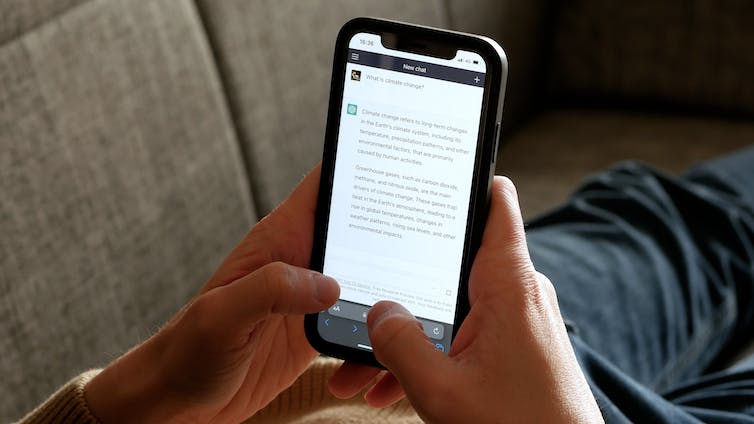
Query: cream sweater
x=306 y=401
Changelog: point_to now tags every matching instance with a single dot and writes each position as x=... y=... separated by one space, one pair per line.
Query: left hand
x=239 y=342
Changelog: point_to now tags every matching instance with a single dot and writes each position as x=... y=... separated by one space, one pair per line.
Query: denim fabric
x=655 y=276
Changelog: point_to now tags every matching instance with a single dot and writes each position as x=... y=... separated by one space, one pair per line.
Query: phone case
x=413 y=39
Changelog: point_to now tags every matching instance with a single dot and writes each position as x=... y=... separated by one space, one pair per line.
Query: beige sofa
x=141 y=139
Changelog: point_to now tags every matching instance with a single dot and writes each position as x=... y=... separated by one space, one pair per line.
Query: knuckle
x=540 y=292
x=518 y=254
x=200 y=315
x=547 y=286
x=253 y=251
x=276 y=280
x=510 y=266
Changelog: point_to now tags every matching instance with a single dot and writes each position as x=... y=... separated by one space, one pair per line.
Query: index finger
x=276 y=288
x=284 y=235
x=503 y=254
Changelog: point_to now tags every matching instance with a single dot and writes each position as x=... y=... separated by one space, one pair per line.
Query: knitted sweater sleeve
x=66 y=406
x=307 y=401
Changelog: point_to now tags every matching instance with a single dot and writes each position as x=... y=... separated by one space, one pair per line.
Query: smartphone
x=409 y=155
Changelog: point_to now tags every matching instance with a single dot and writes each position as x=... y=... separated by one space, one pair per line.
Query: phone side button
x=497 y=142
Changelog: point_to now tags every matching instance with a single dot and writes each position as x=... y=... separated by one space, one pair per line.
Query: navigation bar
x=356 y=312
x=415 y=67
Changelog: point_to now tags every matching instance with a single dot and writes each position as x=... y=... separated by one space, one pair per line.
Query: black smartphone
x=412 y=131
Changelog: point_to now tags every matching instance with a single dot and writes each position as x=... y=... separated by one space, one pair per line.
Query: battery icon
x=476 y=62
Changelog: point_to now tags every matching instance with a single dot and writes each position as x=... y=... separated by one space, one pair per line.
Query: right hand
x=511 y=360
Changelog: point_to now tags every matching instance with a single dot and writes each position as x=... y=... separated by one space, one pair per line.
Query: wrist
x=131 y=390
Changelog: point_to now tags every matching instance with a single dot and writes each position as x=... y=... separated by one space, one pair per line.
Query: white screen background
x=401 y=190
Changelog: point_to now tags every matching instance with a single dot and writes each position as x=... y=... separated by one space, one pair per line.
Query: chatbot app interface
x=402 y=184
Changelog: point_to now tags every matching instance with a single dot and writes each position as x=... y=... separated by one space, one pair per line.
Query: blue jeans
x=655 y=279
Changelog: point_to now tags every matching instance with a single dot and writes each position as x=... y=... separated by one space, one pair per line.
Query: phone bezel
x=491 y=113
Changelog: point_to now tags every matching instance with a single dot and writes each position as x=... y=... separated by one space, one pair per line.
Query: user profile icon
x=355 y=75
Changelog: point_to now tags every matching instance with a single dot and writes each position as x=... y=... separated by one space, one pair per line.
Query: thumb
x=400 y=345
x=275 y=288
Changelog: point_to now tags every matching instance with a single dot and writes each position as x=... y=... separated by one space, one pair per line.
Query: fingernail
x=326 y=289
x=384 y=310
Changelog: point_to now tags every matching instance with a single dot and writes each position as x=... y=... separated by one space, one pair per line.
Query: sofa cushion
x=695 y=54
x=121 y=186
x=520 y=27
x=562 y=147
x=19 y=16
x=275 y=57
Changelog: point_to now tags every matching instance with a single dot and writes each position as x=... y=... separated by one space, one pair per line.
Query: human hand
x=511 y=360
x=239 y=342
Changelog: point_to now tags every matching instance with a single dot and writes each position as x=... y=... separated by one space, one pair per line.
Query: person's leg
x=732 y=176
x=723 y=397
x=655 y=273
x=730 y=391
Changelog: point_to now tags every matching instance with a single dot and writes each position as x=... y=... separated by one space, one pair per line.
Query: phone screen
x=406 y=148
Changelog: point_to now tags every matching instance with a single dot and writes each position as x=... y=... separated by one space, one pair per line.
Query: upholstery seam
x=233 y=111
x=447 y=16
x=54 y=17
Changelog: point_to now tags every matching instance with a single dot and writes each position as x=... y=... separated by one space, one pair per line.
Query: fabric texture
x=66 y=406
x=307 y=401
x=123 y=182
x=521 y=29
x=275 y=57
x=656 y=276
x=120 y=183
x=19 y=16
x=553 y=153
x=686 y=53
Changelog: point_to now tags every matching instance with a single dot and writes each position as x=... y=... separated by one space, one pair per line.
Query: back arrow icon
x=327 y=322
